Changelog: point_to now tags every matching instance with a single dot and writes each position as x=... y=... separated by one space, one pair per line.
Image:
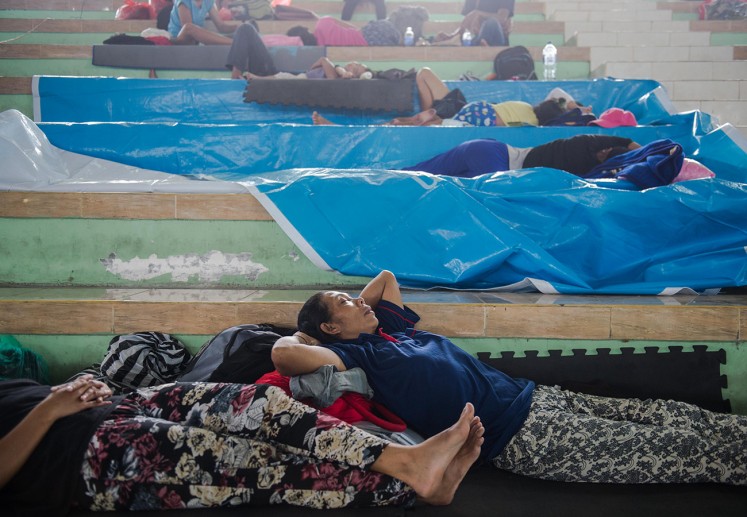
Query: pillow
x=693 y=170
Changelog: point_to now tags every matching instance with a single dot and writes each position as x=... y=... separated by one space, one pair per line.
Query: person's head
x=357 y=69
x=302 y=32
x=331 y=315
x=549 y=110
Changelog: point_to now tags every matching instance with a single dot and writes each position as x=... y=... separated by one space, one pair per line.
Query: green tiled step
x=71 y=327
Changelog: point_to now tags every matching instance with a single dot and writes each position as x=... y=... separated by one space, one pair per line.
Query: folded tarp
x=220 y=101
x=388 y=95
x=197 y=57
x=538 y=229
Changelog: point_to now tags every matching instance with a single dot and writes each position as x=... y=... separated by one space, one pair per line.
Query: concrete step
x=465 y=314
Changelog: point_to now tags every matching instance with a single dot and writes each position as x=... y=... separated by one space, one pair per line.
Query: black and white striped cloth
x=144 y=359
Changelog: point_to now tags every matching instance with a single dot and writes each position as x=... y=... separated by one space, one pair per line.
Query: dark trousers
x=248 y=53
x=492 y=32
x=349 y=6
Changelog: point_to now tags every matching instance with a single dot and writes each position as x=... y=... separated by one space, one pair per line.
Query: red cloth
x=159 y=40
x=350 y=407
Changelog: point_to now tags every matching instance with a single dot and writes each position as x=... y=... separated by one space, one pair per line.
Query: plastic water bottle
x=409 y=37
x=467 y=38
x=550 y=58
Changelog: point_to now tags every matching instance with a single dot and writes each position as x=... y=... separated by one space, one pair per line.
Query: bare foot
x=459 y=466
x=426 y=469
x=321 y=121
x=421 y=119
x=236 y=73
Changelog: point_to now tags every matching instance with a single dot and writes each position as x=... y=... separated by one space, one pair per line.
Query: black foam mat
x=390 y=95
x=692 y=376
x=197 y=57
x=490 y=492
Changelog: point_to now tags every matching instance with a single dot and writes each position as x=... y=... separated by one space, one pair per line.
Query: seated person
x=578 y=155
x=192 y=445
x=249 y=54
x=187 y=23
x=488 y=29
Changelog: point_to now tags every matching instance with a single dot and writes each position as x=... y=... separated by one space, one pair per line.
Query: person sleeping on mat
x=538 y=431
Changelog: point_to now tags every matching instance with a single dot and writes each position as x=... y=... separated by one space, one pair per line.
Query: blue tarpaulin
x=333 y=191
x=220 y=101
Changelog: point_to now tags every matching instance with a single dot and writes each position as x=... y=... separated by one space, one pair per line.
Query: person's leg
x=261 y=412
x=348 y=8
x=430 y=88
x=191 y=34
x=424 y=118
x=249 y=54
x=152 y=464
x=380 y=6
x=491 y=34
x=467 y=160
x=558 y=443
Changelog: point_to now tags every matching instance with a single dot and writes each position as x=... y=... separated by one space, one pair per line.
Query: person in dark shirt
x=539 y=431
x=191 y=445
x=578 y=155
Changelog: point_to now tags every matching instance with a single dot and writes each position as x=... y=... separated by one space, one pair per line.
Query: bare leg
x=461 y=464
x=436 y=467
x=430 y=88
x=421 y=119
x=191 y=34
x=321 y=121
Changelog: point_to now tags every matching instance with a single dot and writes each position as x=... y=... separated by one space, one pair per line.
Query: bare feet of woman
x=321 y=121
x=459 y=466
x=436 y=467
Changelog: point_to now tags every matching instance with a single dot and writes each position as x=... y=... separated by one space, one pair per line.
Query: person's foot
x=440 y=463
x=459 y=466
x=421 y=119
x=236 y=73
x=321 y=121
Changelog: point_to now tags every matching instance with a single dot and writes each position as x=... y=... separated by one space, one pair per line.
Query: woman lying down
x=196 y=445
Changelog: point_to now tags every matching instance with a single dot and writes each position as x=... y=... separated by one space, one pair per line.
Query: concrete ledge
x=71 y=311
x=131 y=206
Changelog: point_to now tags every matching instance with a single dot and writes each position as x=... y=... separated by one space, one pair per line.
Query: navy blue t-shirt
x=426 y=379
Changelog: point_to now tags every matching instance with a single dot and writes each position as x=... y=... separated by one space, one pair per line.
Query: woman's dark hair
x=549 y=110
x=311 y=316
x=302 y=32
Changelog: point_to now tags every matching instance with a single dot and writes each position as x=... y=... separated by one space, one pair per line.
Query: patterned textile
x=381 y=33
x=478 y=113
x=200 y=445
x=574 y=437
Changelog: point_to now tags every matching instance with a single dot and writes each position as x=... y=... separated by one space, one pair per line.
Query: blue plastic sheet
x=537 y=229
x=220 y=101
x=236 y=152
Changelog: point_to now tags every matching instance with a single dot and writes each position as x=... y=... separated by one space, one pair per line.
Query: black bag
x=514 y=63
x=451 y=104
x=238 y=354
